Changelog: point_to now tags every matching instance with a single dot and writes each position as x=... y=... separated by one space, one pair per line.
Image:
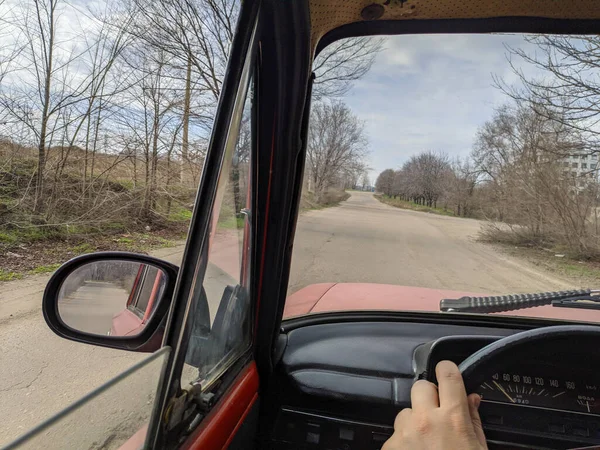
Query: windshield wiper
x=584 y=298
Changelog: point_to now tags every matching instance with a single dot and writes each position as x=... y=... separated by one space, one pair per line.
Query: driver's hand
x=441 y=417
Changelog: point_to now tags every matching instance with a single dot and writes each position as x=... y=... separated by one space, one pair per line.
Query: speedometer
x=542 y=392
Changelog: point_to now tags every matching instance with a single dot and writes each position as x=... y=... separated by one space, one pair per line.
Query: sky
x=431 y=92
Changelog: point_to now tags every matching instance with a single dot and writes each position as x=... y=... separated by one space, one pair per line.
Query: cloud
x=431 y=92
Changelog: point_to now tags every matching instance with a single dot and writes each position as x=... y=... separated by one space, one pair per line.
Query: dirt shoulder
x=21 y=297
x=330 y=199
x=46 y=255
x=583 y=274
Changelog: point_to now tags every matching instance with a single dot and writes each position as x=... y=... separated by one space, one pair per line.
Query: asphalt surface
x=92 y=307
x=362 y=240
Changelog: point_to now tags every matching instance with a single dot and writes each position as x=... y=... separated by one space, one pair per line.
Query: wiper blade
x=587 y=302
x=583 y=298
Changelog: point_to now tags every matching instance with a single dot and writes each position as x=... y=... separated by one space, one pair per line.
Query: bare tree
x=52 y=94
x=365 y=180
x=149 y=119
x=197 y=34
x=566 y=89
x=185 y=140
x=517 y=133
x=342 y=63
x=11 y=47
x=336 y=144
x=108 y=118
x=461 y=187
x=423 y=179
x=190 y=31
x=530 y=184
x=385 y=182
x=42 y=42
x=510 y=151
x=431 y=171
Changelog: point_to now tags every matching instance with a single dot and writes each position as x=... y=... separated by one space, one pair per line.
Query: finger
x=402 y=418
x=424 y=395
x=474 y=402
x=402 y=424
x=450 y=386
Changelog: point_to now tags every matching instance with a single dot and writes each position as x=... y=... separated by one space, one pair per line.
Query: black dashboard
x=340 y=386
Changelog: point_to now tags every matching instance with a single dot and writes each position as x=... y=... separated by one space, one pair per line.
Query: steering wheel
x=547 y=341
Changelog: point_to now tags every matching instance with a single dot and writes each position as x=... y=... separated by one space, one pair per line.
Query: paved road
x=92 y=307
x=362 y=240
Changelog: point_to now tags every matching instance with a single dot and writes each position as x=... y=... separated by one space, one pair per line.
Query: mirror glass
x=111 y=297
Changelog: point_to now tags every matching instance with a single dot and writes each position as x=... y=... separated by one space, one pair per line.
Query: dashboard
x=540 y=386
x=340 y=385
x=545 y=393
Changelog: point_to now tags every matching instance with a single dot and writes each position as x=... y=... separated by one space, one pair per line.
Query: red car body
x=327 y=297
x=133 y=318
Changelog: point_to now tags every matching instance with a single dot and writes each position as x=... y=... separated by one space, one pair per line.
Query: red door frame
x=220 y=426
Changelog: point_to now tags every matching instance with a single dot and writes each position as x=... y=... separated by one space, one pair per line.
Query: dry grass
x=80 y=216
x=331 y=198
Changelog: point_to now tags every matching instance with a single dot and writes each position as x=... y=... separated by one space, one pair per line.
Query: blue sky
x=431 y=92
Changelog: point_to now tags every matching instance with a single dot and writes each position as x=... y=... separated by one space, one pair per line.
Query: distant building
x=582 y=168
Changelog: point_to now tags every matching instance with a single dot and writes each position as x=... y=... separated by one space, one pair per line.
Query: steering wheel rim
x=490 y=359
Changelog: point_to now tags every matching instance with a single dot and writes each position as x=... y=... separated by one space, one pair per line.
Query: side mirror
x=111 y=299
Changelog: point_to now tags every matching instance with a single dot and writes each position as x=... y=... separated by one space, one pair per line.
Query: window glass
x=220 y=306
x=105 y=117
x=443 y=166
x=114 y=416
x=145 y=290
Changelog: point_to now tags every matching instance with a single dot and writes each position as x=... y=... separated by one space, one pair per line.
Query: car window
x=220 y=305
x=103 y=135
x=145 y=288
x=114 y=416
x=451 y=166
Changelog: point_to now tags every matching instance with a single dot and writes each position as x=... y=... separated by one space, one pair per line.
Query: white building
x=583 y=167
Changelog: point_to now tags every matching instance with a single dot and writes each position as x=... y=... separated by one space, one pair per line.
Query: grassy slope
x=28 y=248
x=45 y=255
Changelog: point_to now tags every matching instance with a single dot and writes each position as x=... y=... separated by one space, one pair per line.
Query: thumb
x=474 y=401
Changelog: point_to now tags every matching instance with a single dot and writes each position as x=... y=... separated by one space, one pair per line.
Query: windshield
x=440 y=166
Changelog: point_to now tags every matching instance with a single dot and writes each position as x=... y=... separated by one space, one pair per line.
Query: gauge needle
x=504 y=392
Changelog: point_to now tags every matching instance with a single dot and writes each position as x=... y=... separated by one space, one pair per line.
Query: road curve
x=364 y=240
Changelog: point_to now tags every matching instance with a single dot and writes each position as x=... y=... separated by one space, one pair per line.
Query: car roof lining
x=332 y=20
x=533 y=25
